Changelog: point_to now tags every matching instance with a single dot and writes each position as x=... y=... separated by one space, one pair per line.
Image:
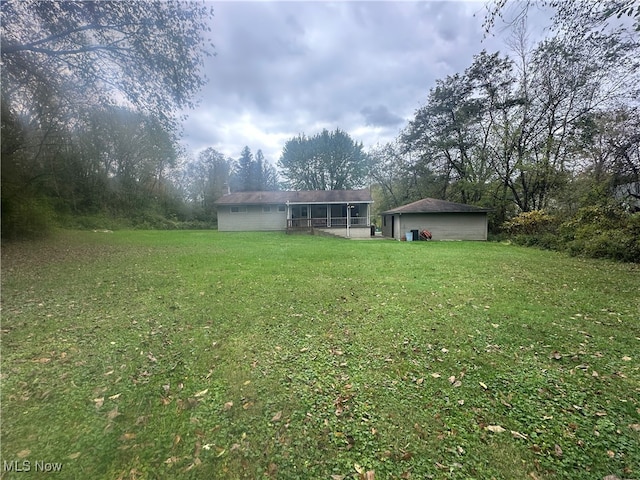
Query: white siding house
x=342 y=212
x=444 y=220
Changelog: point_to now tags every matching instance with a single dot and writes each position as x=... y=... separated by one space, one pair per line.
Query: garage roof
x=433 y=205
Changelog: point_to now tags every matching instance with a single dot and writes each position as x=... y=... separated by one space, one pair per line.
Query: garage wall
x=443 y=226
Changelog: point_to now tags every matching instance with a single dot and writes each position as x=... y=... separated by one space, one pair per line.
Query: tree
x=244 y=175
x=266 y=173
x=253 y=174
x=205 y=180
x=586 y=16
x=58 y=56
x=326 y=161
x=65 y=65
x=452 y=133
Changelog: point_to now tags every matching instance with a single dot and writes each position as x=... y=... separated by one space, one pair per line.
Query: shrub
x=603 y=232
x=535 y=222
x=26 y=218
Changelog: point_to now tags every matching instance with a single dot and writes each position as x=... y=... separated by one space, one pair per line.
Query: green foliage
x=326 y=161
x=603 y=232
x=253 y=174
x=25 y=217
x=536 y=228
x=66 y=66
x=596 y=232
x=530 y=223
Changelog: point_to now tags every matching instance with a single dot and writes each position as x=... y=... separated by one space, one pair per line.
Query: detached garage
x=445 y=220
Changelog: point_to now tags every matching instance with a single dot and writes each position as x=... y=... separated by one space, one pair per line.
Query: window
x=266 y=209
x=238 y=209
x=281 y=208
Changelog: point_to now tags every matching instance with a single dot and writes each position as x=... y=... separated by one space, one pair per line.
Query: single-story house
x=341 y=212
x=445 y=220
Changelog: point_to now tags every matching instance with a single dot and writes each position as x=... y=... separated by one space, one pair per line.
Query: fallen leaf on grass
x=195 y=463
x=115 y=397
x=519 y=435
x=113 y=413
x=495 y=428
x=246 y=406
x=99 y=402
x=626 y=358
x=127 y=436
x=635 y=427
x=483 y=385
x=73 y=456
x=227 y=406
x=436 y=375
x=201 y=393
x=420 y=381
x=556 y=355
x=337 y=477
x=23 y=453
x=277 y=417
x=558 y=450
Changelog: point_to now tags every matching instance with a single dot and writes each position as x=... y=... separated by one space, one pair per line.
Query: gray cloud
x=282 y=68
x=380 y=116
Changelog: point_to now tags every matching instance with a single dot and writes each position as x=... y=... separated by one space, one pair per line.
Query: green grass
x=211 y=355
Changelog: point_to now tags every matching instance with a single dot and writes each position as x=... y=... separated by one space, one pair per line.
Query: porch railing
x=323 y=222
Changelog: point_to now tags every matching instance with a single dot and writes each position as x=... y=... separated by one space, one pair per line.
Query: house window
x=266 y=209
x=238 y=209
x=281 y=208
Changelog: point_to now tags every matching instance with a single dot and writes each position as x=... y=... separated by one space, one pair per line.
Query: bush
x=536 y=222
x=533 y=229
x=603 y=232
x=596 y=232
x=26 y=218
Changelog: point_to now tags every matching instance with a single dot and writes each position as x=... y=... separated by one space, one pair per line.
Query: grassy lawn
x=209 y=355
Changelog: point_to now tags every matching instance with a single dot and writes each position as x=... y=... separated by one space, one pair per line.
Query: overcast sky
x=284 y=68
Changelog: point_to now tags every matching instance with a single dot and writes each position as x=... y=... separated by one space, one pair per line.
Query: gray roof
x=432 y=205
x=305 y=196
